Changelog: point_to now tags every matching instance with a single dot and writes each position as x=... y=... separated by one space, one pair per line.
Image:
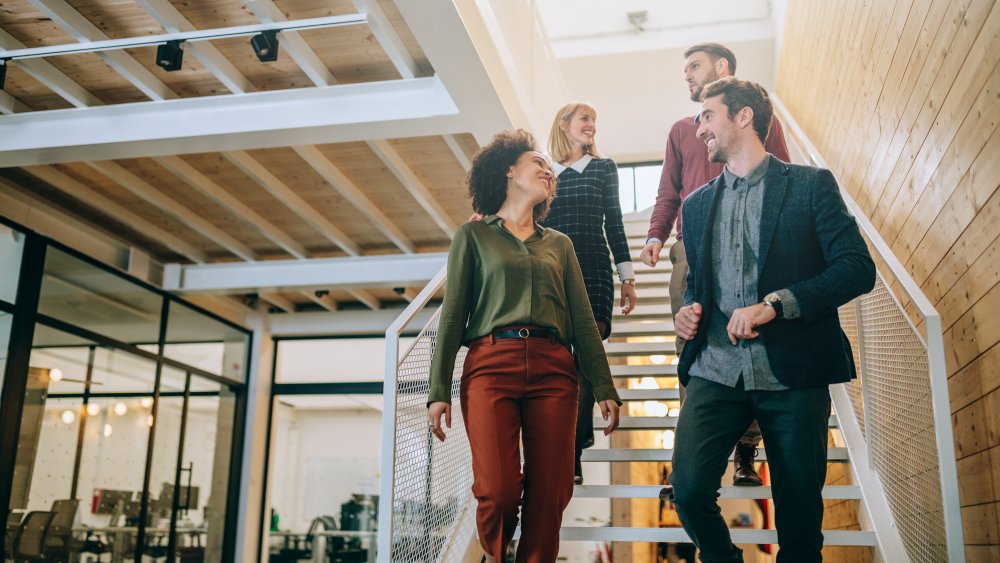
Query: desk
x=122 y=538
x=320 y=539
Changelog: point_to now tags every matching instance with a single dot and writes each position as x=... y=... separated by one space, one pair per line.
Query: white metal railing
x=900 y=437
x=426 y=507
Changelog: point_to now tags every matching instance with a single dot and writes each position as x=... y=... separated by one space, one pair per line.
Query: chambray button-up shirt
x=735 y=248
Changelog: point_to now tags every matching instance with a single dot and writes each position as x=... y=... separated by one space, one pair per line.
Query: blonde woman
x=589 y=213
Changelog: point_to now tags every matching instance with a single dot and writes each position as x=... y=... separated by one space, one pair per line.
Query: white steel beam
x=348 y=323
x=366 y=298
x=260 y=174
x=194 y=178
x=459 y=152
x=352 y=112
x=412 y=183
x=9 y=104
x=50 y=76
x=293 y=44
x=77 y=190
x=388 y=38
x=447 y=40
x=173 y=21
x=148 y=192
x=84 y=31
x=411 y=270
x=340 y=182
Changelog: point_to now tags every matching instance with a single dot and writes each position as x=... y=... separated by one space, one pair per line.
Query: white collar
x=579 y=165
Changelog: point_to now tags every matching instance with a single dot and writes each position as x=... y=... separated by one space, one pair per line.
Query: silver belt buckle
x=523 y=332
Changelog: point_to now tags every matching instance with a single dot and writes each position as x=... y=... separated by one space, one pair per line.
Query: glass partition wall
x=121 y=413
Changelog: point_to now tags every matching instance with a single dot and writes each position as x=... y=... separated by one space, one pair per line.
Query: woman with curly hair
x=517 y=299
x=589 y=213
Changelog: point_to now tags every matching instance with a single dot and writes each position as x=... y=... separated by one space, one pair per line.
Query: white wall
x=311 y=472
x=639 y=95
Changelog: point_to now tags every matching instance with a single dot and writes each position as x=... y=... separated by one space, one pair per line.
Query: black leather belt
x=524 y=332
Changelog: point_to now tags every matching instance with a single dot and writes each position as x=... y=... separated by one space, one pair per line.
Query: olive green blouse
x=495 y=280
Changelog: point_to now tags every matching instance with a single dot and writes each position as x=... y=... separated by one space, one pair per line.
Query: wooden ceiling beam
x=88 y=196
x=286 y=195
x=154 y=196
x=51 y=77
x=173 y=21
x=278 y=301
x=83 y=30
x=414 y=185
x=340 y=182
x=366 y=298
x=460 y=155
x=194 y=178
x=293 y=43
x=324 y=300
x=388 y=38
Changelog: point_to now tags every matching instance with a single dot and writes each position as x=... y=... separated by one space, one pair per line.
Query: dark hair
x=488 y=176
x=738 y=94
x=716 y=52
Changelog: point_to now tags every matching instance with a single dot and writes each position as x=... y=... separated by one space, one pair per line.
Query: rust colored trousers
x=516 y=391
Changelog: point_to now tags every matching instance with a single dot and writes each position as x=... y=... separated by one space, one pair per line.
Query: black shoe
x=577 y=471
x=484 y=558
x=745 y=475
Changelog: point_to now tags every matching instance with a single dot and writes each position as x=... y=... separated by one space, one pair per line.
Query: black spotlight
x=169 y=56
x=265 y=45
x=3 y=72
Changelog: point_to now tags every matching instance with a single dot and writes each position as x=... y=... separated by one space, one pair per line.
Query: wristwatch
x=773 y=300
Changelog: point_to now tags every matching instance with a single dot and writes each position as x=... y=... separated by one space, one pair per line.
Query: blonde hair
x=560 y=146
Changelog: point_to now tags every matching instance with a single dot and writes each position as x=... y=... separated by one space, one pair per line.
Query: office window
x=638 y=184
x=11 y=246
x=5 y=321
x=316 y=481
x=79 y=293
x=206 y=343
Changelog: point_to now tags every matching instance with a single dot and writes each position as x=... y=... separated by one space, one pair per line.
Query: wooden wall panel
x=903 y=101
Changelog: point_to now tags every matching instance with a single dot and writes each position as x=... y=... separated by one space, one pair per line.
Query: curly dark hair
x=487 y=178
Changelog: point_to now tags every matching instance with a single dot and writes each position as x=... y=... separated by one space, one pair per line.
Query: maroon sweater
x=686 y=168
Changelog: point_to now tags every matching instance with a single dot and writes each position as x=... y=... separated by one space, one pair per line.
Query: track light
x=170 y=56
x=265 y=45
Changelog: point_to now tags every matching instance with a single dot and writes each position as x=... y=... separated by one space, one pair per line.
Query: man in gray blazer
x=772 y=253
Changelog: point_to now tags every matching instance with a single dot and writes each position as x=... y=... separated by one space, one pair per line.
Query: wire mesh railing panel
x=899 y=421
x=432 y=480
x=849 y=323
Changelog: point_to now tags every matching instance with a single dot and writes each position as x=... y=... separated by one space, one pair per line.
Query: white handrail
x=389 y=390
x=934 y=343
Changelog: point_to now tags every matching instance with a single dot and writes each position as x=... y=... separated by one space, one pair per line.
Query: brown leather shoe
x=745 y=475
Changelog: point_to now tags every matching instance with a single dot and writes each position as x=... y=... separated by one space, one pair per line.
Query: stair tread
x=640 y=348
x=661 y=370
x=642 y=328
x=642 y=454
x=740 y=536
x=830 y=492
x=649 y=394
x=656 y=422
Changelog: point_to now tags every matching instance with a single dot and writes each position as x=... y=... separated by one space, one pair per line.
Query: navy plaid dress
x=586 y=207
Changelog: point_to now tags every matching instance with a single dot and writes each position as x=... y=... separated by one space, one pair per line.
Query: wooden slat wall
x=903 y=100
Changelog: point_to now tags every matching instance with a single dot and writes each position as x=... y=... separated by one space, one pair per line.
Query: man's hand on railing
x=434 y=413
x=609 y=410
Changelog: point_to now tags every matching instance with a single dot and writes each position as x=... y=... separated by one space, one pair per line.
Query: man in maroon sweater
x=686 y=168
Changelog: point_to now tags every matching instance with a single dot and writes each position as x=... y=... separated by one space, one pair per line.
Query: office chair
x=29 y=544
x=59 y=541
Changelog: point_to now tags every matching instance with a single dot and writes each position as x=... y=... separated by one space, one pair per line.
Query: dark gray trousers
x=794 y=424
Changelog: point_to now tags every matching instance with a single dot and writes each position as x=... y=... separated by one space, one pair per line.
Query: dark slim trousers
x=514 y=392
x=794 y=424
